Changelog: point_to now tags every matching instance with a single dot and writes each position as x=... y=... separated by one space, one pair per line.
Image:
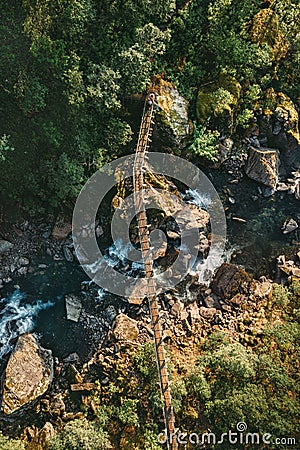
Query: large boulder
x=125 y=328
x=73 y=307
x=229 y=281
x=28 y=374
x=173 y=121
x=262 y=166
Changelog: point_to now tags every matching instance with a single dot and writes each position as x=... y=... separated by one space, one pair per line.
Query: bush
x=205 y=143
x=80 y=434
x=7 y=443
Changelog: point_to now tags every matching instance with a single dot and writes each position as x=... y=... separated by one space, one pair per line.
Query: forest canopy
x=68 y=68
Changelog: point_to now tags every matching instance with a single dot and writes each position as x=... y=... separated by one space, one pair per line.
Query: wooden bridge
x=143 y=146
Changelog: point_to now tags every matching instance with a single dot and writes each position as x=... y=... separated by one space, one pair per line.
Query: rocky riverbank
x=235 y=303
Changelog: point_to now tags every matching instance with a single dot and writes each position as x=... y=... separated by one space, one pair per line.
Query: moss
x=265 y=29
x=207 y=101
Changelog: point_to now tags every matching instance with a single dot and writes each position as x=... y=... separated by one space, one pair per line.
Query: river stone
x=28 y=374
x=228 y=281
x=61 y=230
x=5 y=246
x=207 y=313
x=68 y=254
x=262 y=166
x=73 y=307
x=23 y=261
x=289 y=226
x=297 y=190
x=125 y=328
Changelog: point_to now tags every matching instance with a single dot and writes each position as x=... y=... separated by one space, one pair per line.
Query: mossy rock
x=173 y=121
x=207 y=101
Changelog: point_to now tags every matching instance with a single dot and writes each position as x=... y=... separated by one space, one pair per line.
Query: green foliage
x=67 y=67
x=281 y=295
x=80 y=434
x=127 y=412
x=248 y=104
x=258 y=386
x=205 y=143
x=7 y=443
x=4 y=147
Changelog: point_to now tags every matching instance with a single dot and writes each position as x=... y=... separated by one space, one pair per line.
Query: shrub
x=205 y=143
x=7 y=443
x=80 y=434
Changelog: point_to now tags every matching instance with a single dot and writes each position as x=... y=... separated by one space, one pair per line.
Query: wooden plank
x=83 y=387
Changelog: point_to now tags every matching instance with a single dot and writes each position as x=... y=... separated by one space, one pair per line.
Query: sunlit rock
x=28 y=374
x=262 y=166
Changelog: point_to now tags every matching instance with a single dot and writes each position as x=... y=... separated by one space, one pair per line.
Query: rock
x=263 y=289
x=125 y=328
x=225 y=148
x=46 y=434
x=296 y=272
x=99 y=231
x=207 y=313
x=194 y=311
x=228 y=281
x=72 y=358
x=22 y=270
x=268 y=191
x=177 y=308
x=172 y=119
x=280 y=125
x=262 y=166
x=23 y=261
x=226 y=308
x=68 y=254
x=61 y=230
x=173 y=235
x=237 y=300
x=57 y=406
x=211 y=301
x=297 y=190
x=289 y=226
x=73 y=307
x=28 y=374
x=110 y=313
x=5 y=246
x=46 y=234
